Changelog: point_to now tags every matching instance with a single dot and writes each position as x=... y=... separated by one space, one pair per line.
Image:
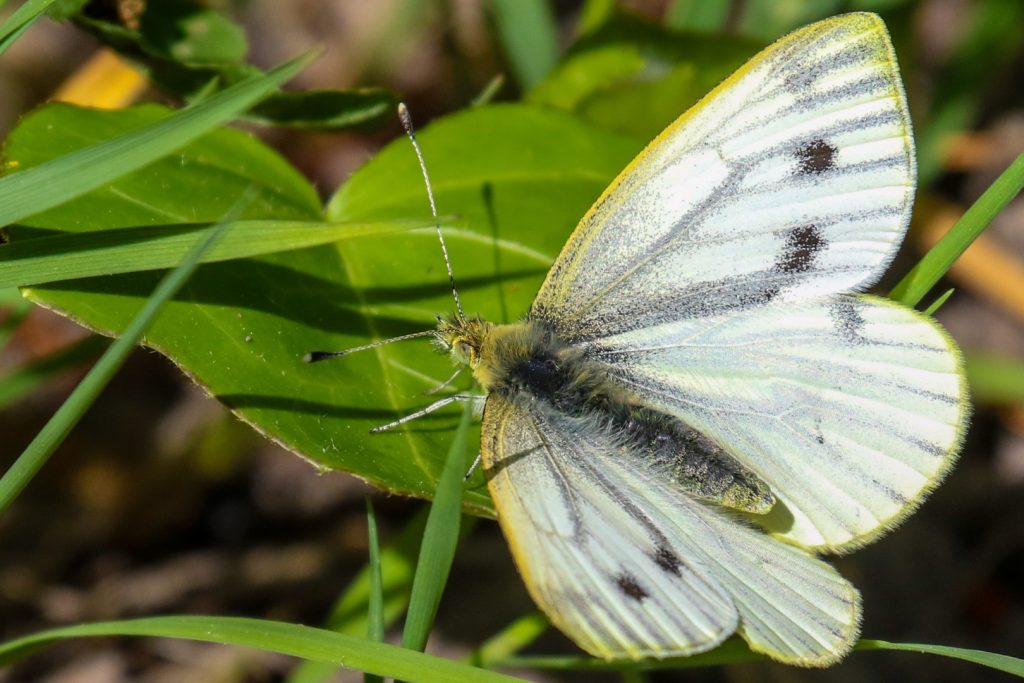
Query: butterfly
x=698 y=403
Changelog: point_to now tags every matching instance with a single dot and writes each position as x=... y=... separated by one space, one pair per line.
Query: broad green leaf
x=241 y=328
x=543 y=169
x=70 y=175
x=316 y=644
x=635 y=77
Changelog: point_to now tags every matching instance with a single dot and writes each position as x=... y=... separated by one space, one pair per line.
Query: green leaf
x=919 y=281
x=241 y=328
x=83 y=396
x=529 y=36
x=290 y=639
x=129 y=250
x=327 y=109
x=187 y=33
x=635 y=77
x=440 y=539
x=62 y=178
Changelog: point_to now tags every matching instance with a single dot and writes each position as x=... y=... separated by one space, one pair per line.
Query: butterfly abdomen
x=528 y=362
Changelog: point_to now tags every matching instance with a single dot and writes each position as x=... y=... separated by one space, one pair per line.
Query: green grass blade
x=59 y=180
x=22 y=381
x=511 y=639
x=995 y=380
x=398 y=562
x=735 y=651
x=72 y=410
x=347 y=651
x=20 y=20
x=375 y=611
x=350 y=612
x=1010 y=665
x=529 y=36
x=440 y=538
x=109 y=252
x=919 y=281
x=937 y=304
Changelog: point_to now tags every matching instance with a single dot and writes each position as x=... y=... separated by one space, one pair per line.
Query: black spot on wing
x=628 y=585
x=668 y=560
x=802 y=246
x=816 y=157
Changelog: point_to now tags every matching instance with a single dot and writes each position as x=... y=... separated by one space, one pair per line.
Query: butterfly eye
x=463 y=352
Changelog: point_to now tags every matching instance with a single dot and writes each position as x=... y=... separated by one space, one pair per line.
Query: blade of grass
x=72 y=410
x=126 y=250
x=24 y=380
x=937 y=304
x=440 y=537
x=59 y=180
x=349 y=615
x=1010 y=665
x=20 y=20
x=735 y=651
x=919 y=281
x=375 y=611
x=511 y=639
x=347 y=651
x=529 y=36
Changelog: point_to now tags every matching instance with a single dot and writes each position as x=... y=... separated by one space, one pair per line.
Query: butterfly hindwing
x=601 y=571
x=850 y=409
x=792 y=179
x=630 y=567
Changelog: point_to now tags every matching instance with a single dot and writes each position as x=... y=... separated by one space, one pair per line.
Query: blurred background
x=160 y=502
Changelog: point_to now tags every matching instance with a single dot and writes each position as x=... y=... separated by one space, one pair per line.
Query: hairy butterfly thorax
x=526 y=361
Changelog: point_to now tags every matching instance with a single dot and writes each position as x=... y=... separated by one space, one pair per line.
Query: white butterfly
x=696 y=404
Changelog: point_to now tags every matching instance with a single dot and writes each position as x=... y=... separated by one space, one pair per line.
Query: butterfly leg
x=426 y=411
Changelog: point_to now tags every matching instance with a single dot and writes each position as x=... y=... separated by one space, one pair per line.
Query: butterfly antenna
x=403 y=114
x=316 y=356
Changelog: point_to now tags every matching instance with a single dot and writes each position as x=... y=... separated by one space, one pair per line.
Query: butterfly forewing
x=792 y=180
x=630 y=568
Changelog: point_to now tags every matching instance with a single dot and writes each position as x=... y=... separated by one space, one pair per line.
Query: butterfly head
x=462 y=338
